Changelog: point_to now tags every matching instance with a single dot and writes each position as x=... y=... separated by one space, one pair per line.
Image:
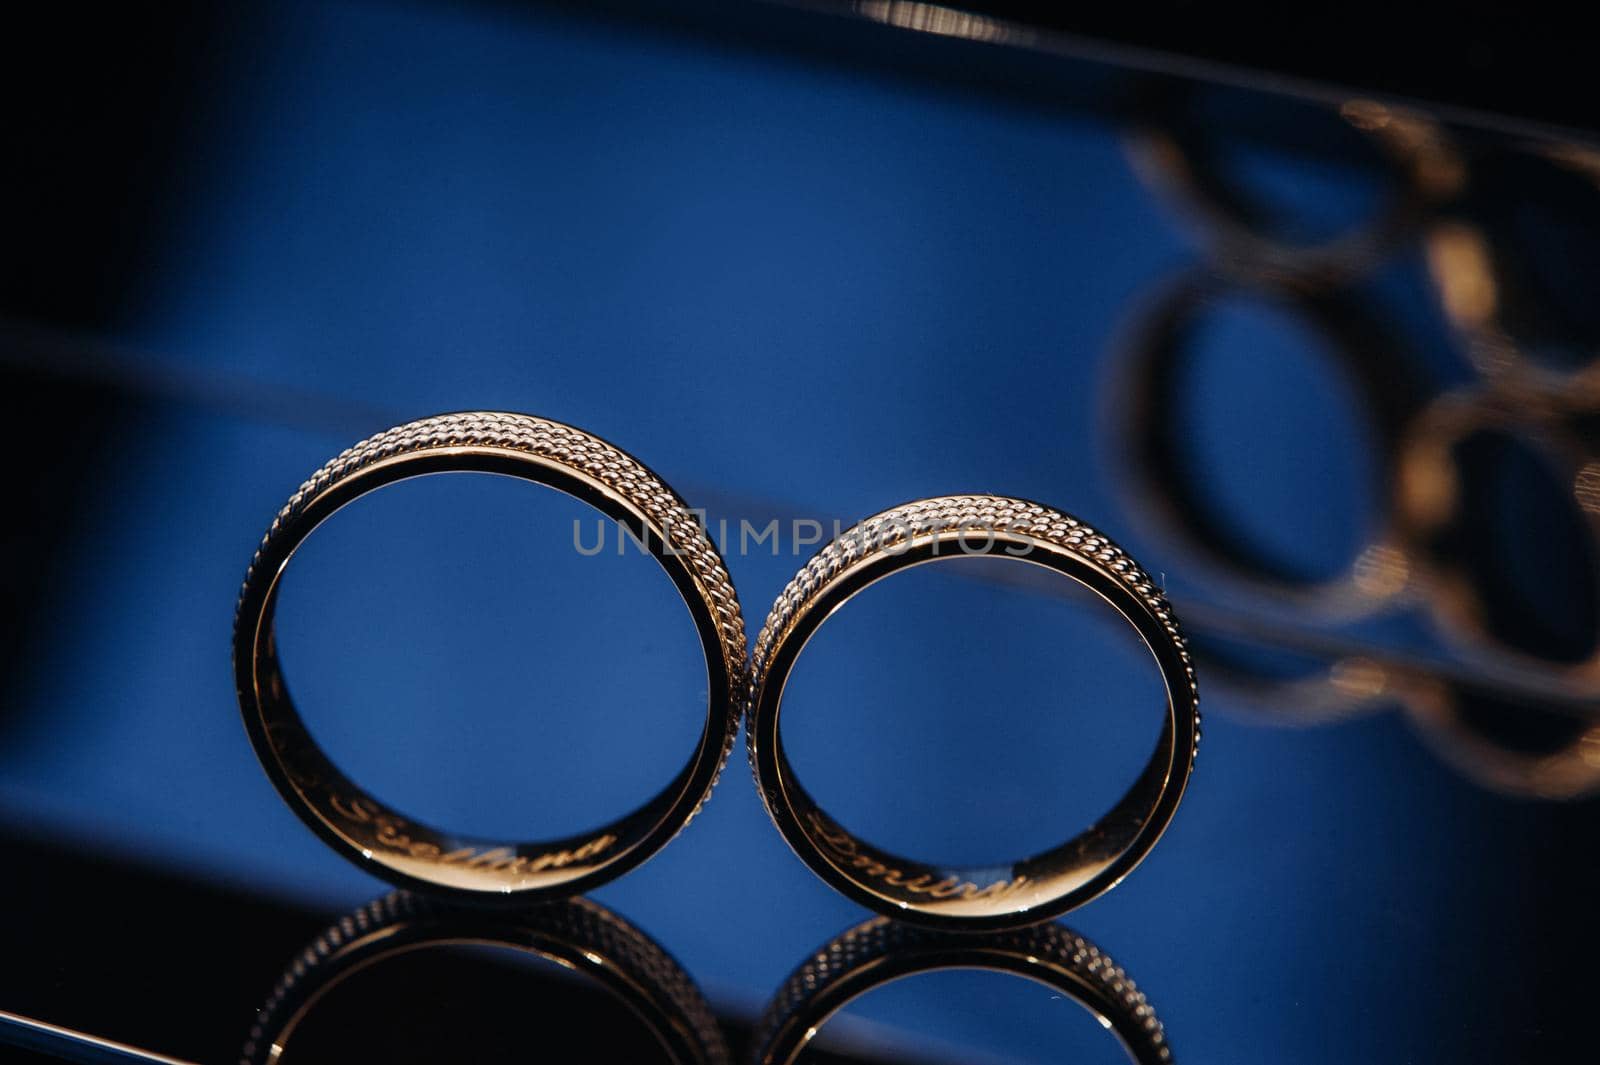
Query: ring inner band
x=404 y=850
x=1035 y=888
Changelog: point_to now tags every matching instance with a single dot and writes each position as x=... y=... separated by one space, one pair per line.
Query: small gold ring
x=395 y=847
x=881 y=950
x=1036 y=888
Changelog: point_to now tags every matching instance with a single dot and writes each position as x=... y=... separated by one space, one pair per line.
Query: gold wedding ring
x=383 y=840
x=1033 y=889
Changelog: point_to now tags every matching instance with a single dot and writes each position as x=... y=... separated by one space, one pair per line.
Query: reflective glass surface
x=1323 y=365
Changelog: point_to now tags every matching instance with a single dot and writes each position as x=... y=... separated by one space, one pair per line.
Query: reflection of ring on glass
x=1151 y=441
x=1272 y=684
x=1540 y=742
x=575 y=934
x=386 y=842
x=1514 y=257
x=1500 y=501
x=1516 y=742
x=1036 y=888
x=1177 y=154
x=879 y=951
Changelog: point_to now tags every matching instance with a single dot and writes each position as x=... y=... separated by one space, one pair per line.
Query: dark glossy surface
x=803 y=283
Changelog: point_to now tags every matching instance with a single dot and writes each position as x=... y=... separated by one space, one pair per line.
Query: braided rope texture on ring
x=963 y=513
x=574 y=921
x=573 y=448
x=881 y=937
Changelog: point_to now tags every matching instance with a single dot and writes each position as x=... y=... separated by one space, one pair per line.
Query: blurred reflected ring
x=1147 y=433
x=880 y=950
x=384 y=841
x=1568 y=769
x=1036 y=888
x=1173 y=155
x=1560 y=421
x=577 y=934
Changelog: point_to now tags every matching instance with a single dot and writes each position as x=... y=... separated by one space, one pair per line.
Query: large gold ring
x=394 y=846
x=1036 y=888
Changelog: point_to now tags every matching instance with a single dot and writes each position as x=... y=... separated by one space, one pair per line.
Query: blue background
x=794 y=291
